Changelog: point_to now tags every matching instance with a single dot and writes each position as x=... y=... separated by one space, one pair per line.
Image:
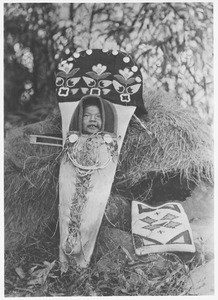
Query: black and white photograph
x=108 y=134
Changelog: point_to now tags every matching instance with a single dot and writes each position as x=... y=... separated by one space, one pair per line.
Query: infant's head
x=92 y=118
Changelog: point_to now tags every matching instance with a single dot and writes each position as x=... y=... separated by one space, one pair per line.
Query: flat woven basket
x=164 y=228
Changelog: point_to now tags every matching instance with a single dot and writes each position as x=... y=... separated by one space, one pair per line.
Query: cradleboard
x=88 y=166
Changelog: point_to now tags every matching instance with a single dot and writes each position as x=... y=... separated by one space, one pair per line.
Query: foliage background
x=172 y=43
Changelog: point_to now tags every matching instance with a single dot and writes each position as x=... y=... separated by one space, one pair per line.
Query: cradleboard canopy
x=114 y=81
x=109 y=75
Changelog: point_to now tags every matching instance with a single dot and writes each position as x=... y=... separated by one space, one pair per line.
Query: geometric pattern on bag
x=164 y=228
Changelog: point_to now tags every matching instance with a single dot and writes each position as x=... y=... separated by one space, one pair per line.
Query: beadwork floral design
x=124 y=84
x=96 y=81
x=99 y=69
x=126 y=74
x=65 y=80
x=110 y=74
x=65 y=66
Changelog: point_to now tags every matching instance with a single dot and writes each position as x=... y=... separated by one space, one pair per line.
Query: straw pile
x=30 y=185
x=176 y=141
x=175 y=147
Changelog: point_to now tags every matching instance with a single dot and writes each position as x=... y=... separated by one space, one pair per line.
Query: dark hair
x=91 y=100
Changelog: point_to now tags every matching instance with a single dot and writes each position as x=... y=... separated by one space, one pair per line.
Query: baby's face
x=92 y=120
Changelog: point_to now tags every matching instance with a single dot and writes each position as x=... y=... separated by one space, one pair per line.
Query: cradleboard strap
x=87 y=169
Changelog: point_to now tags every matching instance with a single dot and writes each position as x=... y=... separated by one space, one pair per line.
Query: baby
x=92 y=119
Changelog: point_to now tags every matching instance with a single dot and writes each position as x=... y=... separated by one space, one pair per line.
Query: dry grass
x=176 y=141
x=31 y=189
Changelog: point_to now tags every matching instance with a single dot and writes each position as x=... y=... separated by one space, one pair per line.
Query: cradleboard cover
x=163 y=228
x=112 y=81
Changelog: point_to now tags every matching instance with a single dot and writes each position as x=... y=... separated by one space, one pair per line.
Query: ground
x=114 y=269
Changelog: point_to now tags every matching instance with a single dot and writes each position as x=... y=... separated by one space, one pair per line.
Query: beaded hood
x=111 y=75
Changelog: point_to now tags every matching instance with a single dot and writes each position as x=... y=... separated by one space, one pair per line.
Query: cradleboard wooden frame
x=99 y=185
x=89 y=162
x=88 y=167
